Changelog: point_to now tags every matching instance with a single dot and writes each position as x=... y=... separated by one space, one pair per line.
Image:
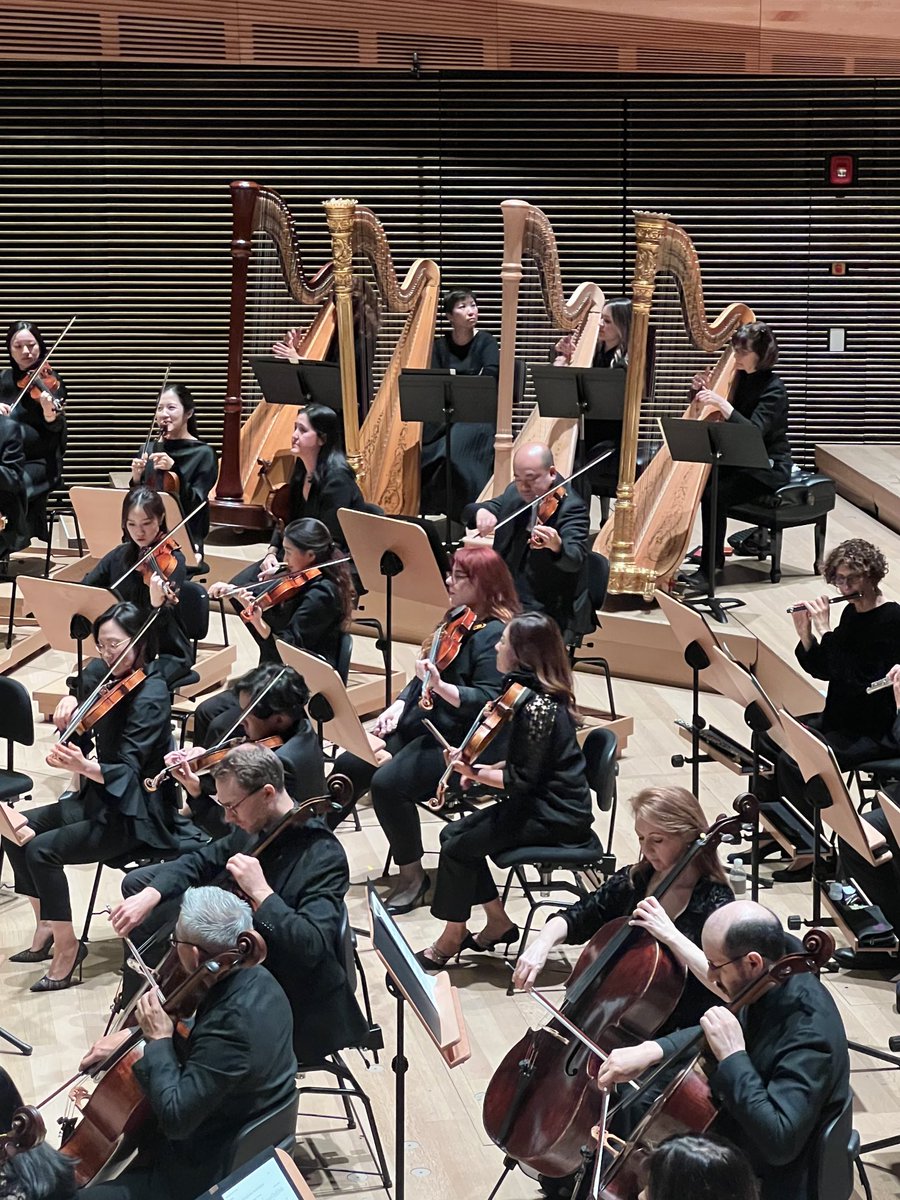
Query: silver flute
x=879 y=685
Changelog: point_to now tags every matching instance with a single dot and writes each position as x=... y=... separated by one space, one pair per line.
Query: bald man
x=547 y=559
x=783 y=1068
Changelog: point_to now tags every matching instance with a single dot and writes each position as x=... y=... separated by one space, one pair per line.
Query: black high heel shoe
x=470 y=942
x=32 y=956
x=46 y=984
x=397 y=910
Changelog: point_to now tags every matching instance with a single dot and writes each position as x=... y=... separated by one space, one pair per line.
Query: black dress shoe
x=46 y=984
x=32 y=956
x=872 y=960
x=797 y=875
x=470 y=942
x=397 y=910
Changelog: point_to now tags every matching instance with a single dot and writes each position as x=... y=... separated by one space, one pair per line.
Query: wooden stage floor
x=448 y=1153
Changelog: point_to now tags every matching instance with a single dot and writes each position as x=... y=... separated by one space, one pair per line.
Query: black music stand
x=445 y=398
x=305 y=382
x=579 y=393
x=720 y=445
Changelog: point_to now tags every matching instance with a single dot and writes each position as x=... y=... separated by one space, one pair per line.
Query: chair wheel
x=794 y=922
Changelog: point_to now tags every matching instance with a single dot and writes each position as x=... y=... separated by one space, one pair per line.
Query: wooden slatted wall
x=116 y=207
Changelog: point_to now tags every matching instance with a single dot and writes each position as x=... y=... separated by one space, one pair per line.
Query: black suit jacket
x=237 y=1064
x=546 y=581
x=793 y=1077
x=306 y=867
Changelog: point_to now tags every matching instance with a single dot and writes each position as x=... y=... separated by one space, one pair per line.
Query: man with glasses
x=547 y=557
x=295 y=887
x=237 y=1063
x=783 y=1070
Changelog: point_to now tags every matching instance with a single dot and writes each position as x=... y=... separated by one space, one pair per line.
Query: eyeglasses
x=718 y=966
x=111 y=647
x=230 y=808
x=175 y=941
x=854 y=577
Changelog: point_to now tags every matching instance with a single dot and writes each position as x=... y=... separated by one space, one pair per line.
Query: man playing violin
x=783 y=1070
x=545 y=545
x=296 y=888
x=236 y=1064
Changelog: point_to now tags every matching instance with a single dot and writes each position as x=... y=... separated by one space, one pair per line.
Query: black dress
x=619 y=896
x=417 y=760
x=196 y=467
x=472 y=445
x=545 y=802
x=327 y=494
x=176 y=656
x=104 y=821
x=600 y=435
x=45 y=445
x=13 y=487
x=758 y=399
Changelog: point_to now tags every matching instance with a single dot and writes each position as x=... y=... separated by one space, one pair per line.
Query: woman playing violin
x=147 y=587
x=40 y=416
x=318 y=598
x=666 y=821
x=109 y=813
x=180 y=455
x=546 y=800
x=479 y=580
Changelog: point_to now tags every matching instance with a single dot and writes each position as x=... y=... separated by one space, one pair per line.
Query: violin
x=161 y=561
x=118 y=1107
x=446 y=645
x=33 y=385
x=686 y=1105
x=556 y=494
x=487 y=725
x=540 y=1104
x=281 y=589
x=278 y=500
x=27 y=1130
x=157 y=478
x=201 y=763
x=546 y=510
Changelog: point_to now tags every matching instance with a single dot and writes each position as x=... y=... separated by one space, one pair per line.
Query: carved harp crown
x=654 y=517
x=528 y=236
x=384 y=450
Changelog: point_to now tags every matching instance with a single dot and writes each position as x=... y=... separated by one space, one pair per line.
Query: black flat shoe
x=46 y=984
x=470 y=942
x=797 y=875
x=397 y=910
x=32 y=956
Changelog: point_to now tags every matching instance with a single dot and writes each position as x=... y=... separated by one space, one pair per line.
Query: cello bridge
x=555 y=1033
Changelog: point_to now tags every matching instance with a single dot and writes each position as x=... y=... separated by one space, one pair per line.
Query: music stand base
x=22 y=1047
x=715 y=605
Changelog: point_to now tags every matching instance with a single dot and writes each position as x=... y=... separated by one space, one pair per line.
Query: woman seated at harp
x=466 y=350
x=757 y=397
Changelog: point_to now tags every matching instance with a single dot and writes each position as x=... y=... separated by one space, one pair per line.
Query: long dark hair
x=325 y=422
x=537 y=644
x=131 y=618
x=312 y=536
x=620 y=315
x=19 y=327
x=289 y=695
x=150 y=501
x=186 y=400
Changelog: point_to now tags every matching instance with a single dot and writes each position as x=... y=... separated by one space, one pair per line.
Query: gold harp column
x=515 y=215
x=340 y=224
x=624 y=574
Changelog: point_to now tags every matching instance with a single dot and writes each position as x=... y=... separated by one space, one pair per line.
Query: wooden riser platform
x=867 y=474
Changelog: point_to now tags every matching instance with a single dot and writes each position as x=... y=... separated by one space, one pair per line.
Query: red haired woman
x=480 y=580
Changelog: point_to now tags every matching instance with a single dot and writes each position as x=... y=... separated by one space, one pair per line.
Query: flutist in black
x=296 y=888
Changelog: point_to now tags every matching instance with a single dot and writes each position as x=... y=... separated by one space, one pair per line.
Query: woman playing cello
x=546 y=800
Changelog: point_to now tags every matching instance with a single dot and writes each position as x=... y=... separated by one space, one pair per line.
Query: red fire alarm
x=839 y=268
x=841 y=170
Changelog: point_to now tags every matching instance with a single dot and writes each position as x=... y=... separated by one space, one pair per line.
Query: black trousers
x=244 y=578
x=210 y=711
x=66 y=833
x=411 y=775
x=881 y=884
x=735 y=487
x=464 y=878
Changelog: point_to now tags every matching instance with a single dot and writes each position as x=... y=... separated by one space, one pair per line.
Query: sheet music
x=419 y=985
x=267 y=1182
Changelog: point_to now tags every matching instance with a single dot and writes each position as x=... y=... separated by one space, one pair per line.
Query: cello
x=118 y=1107
x=686 y=1105
x=541 y=1104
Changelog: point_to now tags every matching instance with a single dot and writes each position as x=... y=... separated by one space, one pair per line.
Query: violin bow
x=157 y=779
x=85 y=705
x=152 y=550
x=550 y=491
x=277 y=578
x=149 y=437
x=37 y=370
